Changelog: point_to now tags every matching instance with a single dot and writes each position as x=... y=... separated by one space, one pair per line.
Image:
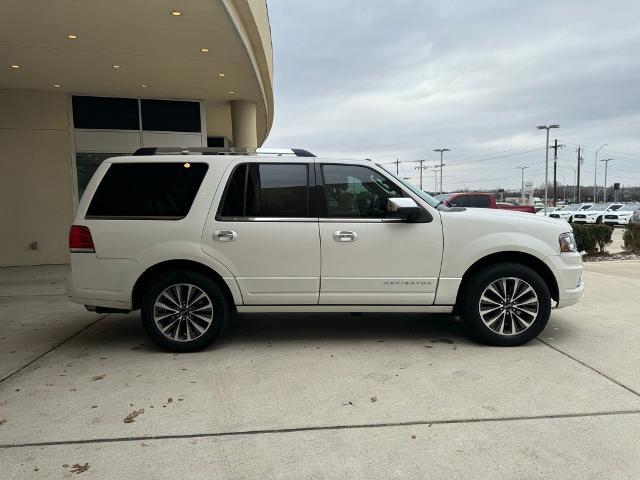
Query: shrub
x=631 y=237
x=592 y=238
x=585 y=240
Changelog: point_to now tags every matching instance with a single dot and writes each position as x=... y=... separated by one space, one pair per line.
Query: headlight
x=568 y=242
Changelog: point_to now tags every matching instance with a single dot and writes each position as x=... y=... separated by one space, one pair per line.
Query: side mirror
x=404 y=208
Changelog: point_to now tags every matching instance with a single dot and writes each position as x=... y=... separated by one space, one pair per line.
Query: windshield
x=571 y=208
x=423 y=195
x=600 y=207
x=631 y=207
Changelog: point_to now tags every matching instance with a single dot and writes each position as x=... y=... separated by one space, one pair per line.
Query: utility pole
x=606 y=164
x=441 y=150
x=555 y=169
x=522 y=169
x=546 y=165
x=578 y=180
x=595 y=176
x=397 y=162
x=421 y=167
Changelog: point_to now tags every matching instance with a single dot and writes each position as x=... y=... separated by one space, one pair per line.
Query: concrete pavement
x=322 y=396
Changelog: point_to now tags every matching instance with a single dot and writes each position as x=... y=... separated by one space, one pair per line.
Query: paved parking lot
x=322 y=396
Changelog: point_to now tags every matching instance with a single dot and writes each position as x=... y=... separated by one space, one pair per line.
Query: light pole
x=522 y=186
x=441 y=150
x=435 y=183
x=606 y=164
x=595 y=176
x=546 y=164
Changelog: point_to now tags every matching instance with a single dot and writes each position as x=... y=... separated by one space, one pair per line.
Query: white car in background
x=550 y=210
x=622 y=215
x=568 y=212
x=596 y=213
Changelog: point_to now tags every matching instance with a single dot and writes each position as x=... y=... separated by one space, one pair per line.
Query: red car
x=481 y=200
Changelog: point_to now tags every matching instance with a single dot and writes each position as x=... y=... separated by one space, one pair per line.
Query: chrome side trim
x=344 y=308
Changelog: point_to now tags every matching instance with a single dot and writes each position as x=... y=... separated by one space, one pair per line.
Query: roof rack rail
x=298 y=152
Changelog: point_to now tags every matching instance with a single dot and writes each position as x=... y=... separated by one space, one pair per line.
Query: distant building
x=83 y=81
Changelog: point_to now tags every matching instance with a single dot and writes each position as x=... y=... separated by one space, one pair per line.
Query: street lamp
x=441 y=150
x=595 y=176
x=546 y=164
x=522 y=187
x=606 y=164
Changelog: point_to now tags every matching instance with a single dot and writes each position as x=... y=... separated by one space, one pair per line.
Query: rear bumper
x=567 y=268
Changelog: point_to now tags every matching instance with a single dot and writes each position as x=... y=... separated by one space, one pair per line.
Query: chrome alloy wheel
x=509 y=306
x=183 y=312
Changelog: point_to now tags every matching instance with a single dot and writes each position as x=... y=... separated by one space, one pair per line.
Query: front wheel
x=184 y=311
x=507 y=304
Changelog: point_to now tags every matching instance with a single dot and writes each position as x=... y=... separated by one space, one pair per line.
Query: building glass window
x=105 y=113
x=170 y=116
x=87 y=164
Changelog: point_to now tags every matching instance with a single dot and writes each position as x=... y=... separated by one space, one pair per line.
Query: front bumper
x=567 y=268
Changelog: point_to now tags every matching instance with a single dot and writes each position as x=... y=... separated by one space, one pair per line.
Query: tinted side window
x=277 y=190
x=480 y=201
x=267 y=190
x=233 y=201
x=147 y=190
x=352 y=191
x=460 y=201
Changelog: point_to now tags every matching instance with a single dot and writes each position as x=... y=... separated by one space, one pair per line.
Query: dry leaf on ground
x=99 y=377
x=77 y=468
x=374 y=399
x=131 y=417
x=3 y=421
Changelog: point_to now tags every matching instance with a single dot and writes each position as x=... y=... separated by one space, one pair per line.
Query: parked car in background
x=189 y=239
x=623 y=215
x=596 y=213
x=569 y=211
x=550 y=210
x=480 y=200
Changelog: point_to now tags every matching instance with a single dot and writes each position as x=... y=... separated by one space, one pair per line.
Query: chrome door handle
x=344 y=236
x=224 y=235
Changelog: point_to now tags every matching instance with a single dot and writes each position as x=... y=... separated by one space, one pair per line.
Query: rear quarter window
x=161 y=191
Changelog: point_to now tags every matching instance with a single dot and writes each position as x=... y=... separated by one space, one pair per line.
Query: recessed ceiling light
x=144 y=86
x=72 y=36
x=204 y=50
x=56 y=85
x=116 y=66
x=221 y=74
x=15 y=67
x=232 y=92
x=176 y=13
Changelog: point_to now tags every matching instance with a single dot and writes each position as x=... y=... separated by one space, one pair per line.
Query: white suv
x=189 y=239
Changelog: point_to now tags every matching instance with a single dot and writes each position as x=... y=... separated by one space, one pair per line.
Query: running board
x=344 y=308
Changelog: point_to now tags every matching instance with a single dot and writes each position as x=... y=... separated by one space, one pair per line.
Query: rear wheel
x=184 y=311
x=507 y=304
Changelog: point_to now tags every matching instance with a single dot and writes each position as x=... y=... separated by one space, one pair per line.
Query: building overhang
x=141 y=49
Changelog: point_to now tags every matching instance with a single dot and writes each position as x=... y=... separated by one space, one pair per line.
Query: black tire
x=219 y=312
x=570 y=219
x=471 y=305
x=599 y=220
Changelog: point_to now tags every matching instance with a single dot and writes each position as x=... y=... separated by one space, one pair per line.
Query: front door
x=368 y=258
x=264 y=233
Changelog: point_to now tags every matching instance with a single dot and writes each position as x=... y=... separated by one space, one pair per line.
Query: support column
x=243 y=121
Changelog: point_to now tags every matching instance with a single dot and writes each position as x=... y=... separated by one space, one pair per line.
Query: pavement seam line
x=318 y=429
x=59 y=344
x=593 y=369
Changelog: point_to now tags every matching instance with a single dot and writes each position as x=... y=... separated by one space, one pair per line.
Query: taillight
x=80 y=239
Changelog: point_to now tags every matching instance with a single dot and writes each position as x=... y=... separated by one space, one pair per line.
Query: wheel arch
x=153 y=272
x=522 y=258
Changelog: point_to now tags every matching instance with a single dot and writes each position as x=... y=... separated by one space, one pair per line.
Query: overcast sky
x=394 y=79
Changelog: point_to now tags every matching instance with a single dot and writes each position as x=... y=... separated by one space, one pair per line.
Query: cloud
x=387 y=80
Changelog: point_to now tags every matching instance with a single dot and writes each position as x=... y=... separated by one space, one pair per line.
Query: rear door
x=263 y=229
x=368 y=258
